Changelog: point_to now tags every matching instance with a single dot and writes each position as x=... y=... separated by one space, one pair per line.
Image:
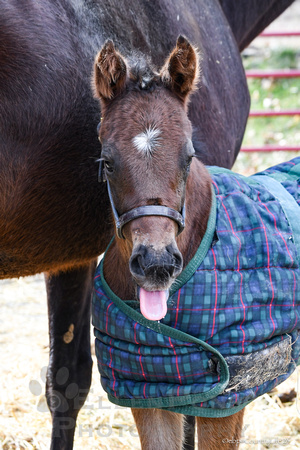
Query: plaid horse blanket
x=232 y=327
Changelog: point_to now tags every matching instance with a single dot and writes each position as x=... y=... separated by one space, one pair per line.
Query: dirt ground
x=24 y=419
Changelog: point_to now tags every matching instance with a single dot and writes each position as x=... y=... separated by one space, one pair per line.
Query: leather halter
x=140 y=211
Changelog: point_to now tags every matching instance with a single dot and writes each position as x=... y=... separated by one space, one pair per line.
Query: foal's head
x=146 y=152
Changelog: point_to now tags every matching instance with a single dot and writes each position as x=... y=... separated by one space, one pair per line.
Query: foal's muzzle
x=153 y=269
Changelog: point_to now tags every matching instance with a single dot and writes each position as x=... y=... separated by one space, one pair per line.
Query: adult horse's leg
x=220 y=434
x=70 y=365
x=159 y=429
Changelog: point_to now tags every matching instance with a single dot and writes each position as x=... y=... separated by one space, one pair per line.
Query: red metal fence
x=288 y=73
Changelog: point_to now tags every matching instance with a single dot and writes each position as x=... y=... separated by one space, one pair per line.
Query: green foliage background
x=271 y=94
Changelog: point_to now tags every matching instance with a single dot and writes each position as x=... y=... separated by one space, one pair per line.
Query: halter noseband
x=140 y=211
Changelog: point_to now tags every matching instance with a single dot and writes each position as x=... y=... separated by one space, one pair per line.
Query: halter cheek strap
x=141 y=211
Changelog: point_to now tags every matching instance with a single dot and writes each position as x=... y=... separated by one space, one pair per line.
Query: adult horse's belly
x=52 y=217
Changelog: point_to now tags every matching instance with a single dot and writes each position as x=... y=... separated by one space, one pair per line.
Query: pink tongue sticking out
x=153 y=304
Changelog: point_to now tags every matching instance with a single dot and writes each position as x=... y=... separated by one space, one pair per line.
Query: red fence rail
x=280 y=33
x=270 y=113
x=284 y=73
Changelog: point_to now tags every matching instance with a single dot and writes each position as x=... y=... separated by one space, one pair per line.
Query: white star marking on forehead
x=147 y=141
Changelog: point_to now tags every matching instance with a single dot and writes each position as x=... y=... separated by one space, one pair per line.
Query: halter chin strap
x=142 y=211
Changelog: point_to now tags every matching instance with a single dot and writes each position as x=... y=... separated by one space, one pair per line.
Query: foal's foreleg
x=189 y=433
x=158 y=429
x=70 y=365
x=220 y=434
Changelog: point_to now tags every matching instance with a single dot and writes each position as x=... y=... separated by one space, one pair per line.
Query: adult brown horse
x=49 y=195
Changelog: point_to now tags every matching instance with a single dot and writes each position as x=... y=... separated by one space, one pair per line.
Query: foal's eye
x=108 y=166
x=190 y=155
x=189 y=162
x=188 y=166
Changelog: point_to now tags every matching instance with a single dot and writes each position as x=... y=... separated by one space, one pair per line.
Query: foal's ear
x=110 y=72
x=181 y=70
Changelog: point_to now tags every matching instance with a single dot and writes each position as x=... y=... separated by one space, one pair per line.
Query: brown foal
x=147 y=156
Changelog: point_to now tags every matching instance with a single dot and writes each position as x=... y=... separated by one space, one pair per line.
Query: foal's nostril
x=136 y=265
x=178 y=264
x=177 y=260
